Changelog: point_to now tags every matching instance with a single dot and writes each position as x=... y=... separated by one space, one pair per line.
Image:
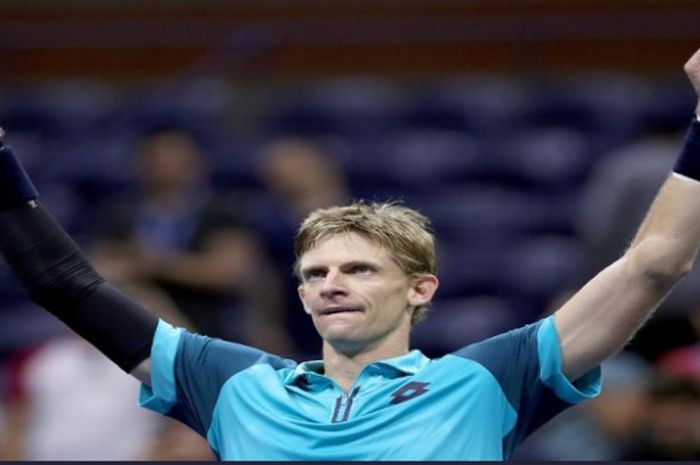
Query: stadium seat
x=478 y=210
x=425 y=158
x=548 y=159
x=60 y=107
x=542 y=267
x=602 y=102
x=479 y=103
x=203 y=105
x=96 y=164
x=405 y=163
x=474 y=266
x=455 y=323
x=349 y=106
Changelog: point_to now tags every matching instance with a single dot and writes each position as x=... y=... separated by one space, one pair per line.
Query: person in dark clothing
x=180 y=235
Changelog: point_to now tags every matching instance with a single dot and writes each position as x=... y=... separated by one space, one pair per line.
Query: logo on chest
x=408 y=391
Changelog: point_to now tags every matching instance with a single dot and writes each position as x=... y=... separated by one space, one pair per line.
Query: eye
x=362 y=269
x=313 y=274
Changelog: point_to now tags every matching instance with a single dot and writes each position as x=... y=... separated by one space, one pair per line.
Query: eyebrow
x=353 y=263
x=308 y=269
x=345 y=265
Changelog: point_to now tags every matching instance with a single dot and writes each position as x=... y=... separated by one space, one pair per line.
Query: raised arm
x=604 y=315
x=58 y=277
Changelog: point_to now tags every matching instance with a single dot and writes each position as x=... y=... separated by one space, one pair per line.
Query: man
x=176 y=233
x=367 y=272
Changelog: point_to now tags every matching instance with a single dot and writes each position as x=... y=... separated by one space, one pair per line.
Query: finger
x=2 y=133
x=693 y=63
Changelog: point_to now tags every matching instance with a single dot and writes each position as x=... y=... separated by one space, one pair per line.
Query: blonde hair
x=403 y=231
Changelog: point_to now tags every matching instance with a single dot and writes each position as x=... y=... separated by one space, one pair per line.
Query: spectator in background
x=665 y=424
x=604 y=427
x=673 y=429
x=299 y=177
x=684 y=361
x=616 y=196
x=67 y=401
x=179 y=235
x=614 y=202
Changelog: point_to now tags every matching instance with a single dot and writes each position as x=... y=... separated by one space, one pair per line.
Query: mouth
x=336 y=310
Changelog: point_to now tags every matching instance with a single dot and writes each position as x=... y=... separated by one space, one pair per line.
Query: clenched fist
x=692 y=69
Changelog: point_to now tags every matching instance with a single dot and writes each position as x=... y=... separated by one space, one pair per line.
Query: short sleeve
x=188 y=371
x=527 y=364
x=550 y=368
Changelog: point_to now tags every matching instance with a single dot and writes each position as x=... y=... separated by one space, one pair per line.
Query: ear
x=422 y=289
x=301 y=292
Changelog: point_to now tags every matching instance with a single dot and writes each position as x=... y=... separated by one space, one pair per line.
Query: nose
x=332 y=285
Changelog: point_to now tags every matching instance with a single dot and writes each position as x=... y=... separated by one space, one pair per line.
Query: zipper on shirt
x=344 y=404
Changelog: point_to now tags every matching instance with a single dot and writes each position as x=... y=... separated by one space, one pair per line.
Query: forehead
x=344 y=247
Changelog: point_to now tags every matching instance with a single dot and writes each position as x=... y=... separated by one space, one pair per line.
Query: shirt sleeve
x=527 y=364
x=188 y=371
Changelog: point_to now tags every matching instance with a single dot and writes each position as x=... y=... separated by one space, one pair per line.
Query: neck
x=343 y=366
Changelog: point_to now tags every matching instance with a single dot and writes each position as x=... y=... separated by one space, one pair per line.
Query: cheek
x=305 y=297
x=394 y=294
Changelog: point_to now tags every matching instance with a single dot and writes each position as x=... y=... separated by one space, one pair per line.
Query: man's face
x=169 y=161
x=357 y=296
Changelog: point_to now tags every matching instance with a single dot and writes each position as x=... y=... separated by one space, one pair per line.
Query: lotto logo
x=409 y=391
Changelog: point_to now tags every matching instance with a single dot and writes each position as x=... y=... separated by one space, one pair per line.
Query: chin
x=336 y=336
x=342 y=340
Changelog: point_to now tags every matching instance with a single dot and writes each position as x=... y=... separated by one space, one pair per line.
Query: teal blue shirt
x=477 y=403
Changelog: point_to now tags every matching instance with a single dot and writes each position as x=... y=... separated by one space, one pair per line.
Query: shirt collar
x=313 y=371
x=407 y=364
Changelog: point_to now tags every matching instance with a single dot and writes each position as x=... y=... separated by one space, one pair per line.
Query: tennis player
x=367 y=274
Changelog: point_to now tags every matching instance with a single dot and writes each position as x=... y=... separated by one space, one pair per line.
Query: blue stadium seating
x=549 y=158
x=541 y=267
x=455 y=323
x=412 y=160
x=477 y=104
x=356 y=105
x=486 y=210
x=597 y=102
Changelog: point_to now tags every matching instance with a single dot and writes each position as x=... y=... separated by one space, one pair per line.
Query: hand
x=692 y=69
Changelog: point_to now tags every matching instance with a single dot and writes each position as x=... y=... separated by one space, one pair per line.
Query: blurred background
x=181 y=143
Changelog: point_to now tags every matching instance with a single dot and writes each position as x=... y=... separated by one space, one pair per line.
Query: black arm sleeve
x=59 y=278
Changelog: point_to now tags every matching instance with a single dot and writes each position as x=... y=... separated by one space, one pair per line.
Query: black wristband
x=688 y=162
